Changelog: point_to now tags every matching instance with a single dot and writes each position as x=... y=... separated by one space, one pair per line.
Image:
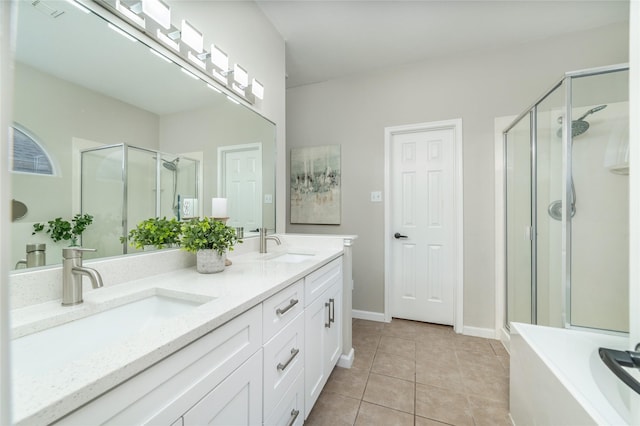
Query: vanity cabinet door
x=323 y=341
x=316 y=319
x=333 y=344
x=234 y=402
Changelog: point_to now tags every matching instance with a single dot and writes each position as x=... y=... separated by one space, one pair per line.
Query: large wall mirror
x=109 y=128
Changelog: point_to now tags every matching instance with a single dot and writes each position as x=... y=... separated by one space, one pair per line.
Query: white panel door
x=242 y=186
x=422 y=185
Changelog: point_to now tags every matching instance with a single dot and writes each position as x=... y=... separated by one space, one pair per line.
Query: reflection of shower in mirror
x=175 y=198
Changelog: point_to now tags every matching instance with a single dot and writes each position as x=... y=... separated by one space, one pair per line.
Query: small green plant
x=208 y=233
x=59 y=229
x=156 y=232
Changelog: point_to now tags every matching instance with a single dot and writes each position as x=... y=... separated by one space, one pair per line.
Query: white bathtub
x=558 y=378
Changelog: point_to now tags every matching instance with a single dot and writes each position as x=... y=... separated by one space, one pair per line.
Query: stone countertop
x=45 y=397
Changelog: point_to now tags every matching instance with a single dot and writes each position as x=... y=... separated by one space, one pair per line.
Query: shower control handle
x=398 y=235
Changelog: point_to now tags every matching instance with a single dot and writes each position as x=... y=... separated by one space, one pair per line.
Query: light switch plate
x=268 y=198
x=376 y=196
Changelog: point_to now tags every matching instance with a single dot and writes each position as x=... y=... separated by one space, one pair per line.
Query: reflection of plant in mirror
x=156 y=232
x=208 y=233
x=59 y=229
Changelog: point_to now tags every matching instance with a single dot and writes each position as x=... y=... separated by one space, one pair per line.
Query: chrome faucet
x=72 y=272
x=263 y=240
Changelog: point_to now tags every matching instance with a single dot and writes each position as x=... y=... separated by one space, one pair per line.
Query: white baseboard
x=367 y=315
x=487 y=333
x=346 y=361
x=505 y=338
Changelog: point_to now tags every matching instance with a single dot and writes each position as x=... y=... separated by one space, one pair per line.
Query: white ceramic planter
x=209 y=261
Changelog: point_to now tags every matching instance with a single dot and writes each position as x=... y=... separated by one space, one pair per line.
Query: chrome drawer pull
x=292 y=303
x=332 y=318
x=328 y=324
x=294 y=352
x=294 y=416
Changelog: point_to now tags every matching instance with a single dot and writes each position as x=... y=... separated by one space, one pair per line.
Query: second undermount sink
x=292 y=257
x=40 y=352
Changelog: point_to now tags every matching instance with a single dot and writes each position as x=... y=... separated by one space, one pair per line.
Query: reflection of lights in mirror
x=122 y=33
x=75 y=99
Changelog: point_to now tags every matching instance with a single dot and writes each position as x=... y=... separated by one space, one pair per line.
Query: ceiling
x=333 y=38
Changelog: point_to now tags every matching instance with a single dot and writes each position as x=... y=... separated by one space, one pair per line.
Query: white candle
x=219 y=207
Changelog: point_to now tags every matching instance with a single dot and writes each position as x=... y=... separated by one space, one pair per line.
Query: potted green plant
x=210 y=239
x=154 y=232
x=60 y=229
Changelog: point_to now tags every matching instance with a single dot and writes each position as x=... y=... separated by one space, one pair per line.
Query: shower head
x=171 y=165
x=580 y=126
x=591 y=111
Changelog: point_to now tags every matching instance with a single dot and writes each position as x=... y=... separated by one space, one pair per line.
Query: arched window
x=28 y=154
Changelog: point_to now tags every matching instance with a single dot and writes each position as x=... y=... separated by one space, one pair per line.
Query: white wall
x=477 y=87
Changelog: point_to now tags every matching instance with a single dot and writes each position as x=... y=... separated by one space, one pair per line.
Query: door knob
x=398 y=235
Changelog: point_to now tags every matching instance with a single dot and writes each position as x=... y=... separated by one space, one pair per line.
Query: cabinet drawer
x=290 y=409
x=283 y=361
x=163 y=392
x=321 y=279
x=281 y=308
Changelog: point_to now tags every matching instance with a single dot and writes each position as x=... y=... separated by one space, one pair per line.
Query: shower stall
x=121 y=185
x=566 y=205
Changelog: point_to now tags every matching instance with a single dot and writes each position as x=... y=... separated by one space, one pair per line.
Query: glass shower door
x=599 y=244
x=548 y=142
x=102 y=197
x=518 y=218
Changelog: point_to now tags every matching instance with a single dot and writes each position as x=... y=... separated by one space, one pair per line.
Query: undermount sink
x=42 y=351
x=292 y=257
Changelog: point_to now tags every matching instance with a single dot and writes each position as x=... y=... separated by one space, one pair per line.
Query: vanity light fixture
x=158 y=11
x=190 y=74
x=240 y=76
x=219 y=58
x=191 y=36
x=167 y=40
x=220 y=62
x=160 y=55
x=195 y=59
x=257 y=89
x=79 y=6
x=122 y=33
x=132 y=12
x=240 y=79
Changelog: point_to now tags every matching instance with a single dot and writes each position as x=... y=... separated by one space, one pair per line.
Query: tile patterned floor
x=417 y=374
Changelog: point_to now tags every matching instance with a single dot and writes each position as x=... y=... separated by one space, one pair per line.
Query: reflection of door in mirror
x=240 y=170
